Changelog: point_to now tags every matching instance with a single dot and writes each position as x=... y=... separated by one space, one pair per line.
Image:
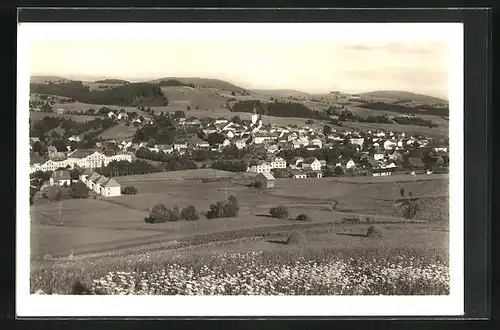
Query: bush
x=190 y=213
x=224 y=209
x=79 y=190
x=350 y=220
x=58 y=196
x=158 y=214
x=302 y=217
x=256 y=184
x=174 y=214
x=374 y=231
x=129 y=190
x=279 y=212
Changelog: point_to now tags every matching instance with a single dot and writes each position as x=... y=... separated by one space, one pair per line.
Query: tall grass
x=294 y=271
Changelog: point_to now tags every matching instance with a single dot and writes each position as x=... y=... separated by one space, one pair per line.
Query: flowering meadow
x=320 y=272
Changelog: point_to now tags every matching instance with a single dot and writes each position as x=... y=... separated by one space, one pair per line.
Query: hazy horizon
x=315 y=67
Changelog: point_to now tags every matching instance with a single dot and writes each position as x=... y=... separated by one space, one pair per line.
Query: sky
x=309 y=64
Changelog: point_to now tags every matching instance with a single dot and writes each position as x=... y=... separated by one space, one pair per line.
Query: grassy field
x=200 y=173
x=38 y=115
x=104 y=224
x=119 y=132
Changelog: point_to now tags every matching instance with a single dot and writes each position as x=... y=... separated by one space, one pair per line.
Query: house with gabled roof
x=111 y=188
x=312 y=164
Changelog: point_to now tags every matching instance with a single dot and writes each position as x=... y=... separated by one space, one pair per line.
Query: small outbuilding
x=267 y=179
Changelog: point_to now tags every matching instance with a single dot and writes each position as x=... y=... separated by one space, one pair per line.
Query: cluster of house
x=99 y=184
x=382 y=150
x=84 y=158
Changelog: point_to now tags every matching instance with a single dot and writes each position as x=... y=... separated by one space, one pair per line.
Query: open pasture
x=38 y=115
x=119 y=132
x=200 y=173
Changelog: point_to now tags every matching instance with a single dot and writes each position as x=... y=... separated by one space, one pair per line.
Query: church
x=256 y=121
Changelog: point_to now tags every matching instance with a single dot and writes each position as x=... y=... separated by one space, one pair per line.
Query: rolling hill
x=204 y=82
x=398 y=95
x=46 y=79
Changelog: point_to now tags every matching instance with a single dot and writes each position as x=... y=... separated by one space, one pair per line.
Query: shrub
x=158 y=214
x=129 y=190
x=374 y=231
x=411 y=207
x=350 y=220
x=231 y=208
x=79 y=190
x=296 y=238
x=190 y=213
x=302 y=217
x=279 y=212
x=256 y=184
x=58 y=196
x=224 y=209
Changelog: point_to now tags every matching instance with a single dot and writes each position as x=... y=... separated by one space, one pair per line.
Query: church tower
x=255 y=116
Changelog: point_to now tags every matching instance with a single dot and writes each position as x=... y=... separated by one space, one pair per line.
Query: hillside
x=123 y=95
x=45 y=79
x=401 y=95
x=204 y=82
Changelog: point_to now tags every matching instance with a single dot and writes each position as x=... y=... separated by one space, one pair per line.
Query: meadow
x=105 y=247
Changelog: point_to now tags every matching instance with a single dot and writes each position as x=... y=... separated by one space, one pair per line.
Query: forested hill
x=278 y=109
x=133 y=94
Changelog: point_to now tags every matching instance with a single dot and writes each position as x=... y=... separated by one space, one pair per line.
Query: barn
x=266 y=179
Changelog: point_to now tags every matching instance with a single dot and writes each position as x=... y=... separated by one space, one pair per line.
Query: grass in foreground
x=294 y=272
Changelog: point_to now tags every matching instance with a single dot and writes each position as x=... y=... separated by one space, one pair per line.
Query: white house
x=60 y=178
x=389 y=144
x=278 y=162
x=122 y=116
x=100 y=184
x=180 y=145
x=299 y=175
x=261 y=137
x=441 y=149
x=272 y=149
x=378 y=156
x=230 y=134
x=111 y=188
x=74 y=138
x=357 y=141
x=240 y=144
x=350 y=164
x=312 y=164
x=111 y=115
x=316 y=142
x=260 y=167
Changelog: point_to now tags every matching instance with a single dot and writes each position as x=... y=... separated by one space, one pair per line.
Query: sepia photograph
x=200 y=160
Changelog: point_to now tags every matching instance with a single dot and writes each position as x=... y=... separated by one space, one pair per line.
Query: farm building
x=60 y=178
x=267 y=179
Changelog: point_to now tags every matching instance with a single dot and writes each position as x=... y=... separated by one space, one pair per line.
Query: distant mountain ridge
x=397 y=95
x=224 y=85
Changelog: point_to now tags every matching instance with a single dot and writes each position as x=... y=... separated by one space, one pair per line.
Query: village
x=373 y=153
